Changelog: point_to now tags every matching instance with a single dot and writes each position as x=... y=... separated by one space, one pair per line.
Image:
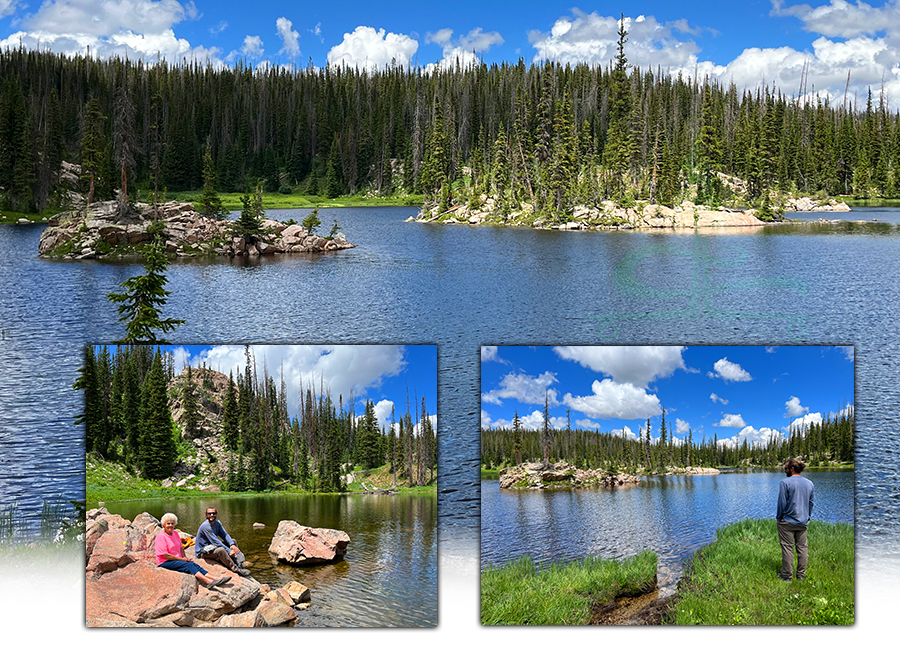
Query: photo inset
x=260 y=486
x=669 y=485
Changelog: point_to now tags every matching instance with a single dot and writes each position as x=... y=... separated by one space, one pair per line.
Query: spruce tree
x=140 y=306
x=210 y=202
x=157 y=443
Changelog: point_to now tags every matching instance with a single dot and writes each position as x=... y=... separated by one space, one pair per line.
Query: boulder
x=137 y=592
x=276 y=614
x=251 y=619
x=210 y=604
x=302 y=545
x=298 y=591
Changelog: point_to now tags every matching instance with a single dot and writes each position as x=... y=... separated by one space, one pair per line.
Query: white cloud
x=752 y=436
x=802 y=423
x=614 y=400
x=731 y=420
x=524 y=388
x=592 y=38
x=8 y=7
x=715 y=398
x=252 y=47
x=218 y=29
x=383 y=409
x=463 y=50
x=682 y=427
x=636 y=365
x=793 y=408
x=491 y=354
x=485 y=420
x=729 y=371
x=367 y=48
x=624 y=432
x=587 y=424
x=136 y=28
x=842 y=19
x=346 y=370
x=289 y=37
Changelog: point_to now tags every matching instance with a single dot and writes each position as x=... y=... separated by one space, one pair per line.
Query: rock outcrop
x=302 y=545
x=103 y=230
x=123 y=586
x=560 y=475
x=807 y=204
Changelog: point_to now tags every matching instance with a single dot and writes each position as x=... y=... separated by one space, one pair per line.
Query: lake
x=462 y=287
x=672 y=516
x=388 y=577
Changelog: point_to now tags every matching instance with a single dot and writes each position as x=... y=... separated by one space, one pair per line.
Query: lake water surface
x=672 y=516
x=462 y=287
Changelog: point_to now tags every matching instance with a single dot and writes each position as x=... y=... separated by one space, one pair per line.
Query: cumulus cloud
x=367 y=47
x=524 y=388
x=802 y=423
x=252 y=47
x=682 y=427
x=715 y=398
x=752 y=436
x=289 y=37
x=138 y=28
x=731 y=420
x=853 y=37
x=793 y=408
x=636 y=365
x=347 y=371
x=592 y=38
x=624 y=432
x=463 y=50
x=383 y=409
x=610 y=399
x=729 y=371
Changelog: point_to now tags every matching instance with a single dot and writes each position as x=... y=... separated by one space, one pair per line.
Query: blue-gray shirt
x=795 y=500
x=213 y=534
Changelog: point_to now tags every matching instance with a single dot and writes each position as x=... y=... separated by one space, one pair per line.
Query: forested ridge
x=128 y=418
x=827 y=442
x=545 y=135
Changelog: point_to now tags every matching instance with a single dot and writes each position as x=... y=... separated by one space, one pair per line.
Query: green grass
x=275 y=200
x=523 y=593
x=734 y=581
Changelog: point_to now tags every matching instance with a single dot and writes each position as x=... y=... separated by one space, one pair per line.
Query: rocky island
x=564 y=475
x=104 y=230
x=610 y=216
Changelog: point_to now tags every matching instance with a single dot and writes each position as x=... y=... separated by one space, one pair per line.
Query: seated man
x=214 y=543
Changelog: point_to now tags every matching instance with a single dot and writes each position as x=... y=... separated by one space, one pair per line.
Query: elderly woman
x=170 y=554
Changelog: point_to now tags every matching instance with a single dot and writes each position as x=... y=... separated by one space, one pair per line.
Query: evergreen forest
x=540 y=134
x=828 y=442
x=130 y=392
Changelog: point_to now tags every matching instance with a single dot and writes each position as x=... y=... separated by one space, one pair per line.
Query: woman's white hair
x=168 y=516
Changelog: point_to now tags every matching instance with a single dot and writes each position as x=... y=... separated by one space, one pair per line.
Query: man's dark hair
x=796 y=465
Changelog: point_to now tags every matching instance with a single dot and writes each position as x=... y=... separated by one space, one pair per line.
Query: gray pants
x=221 y=554
x=791 y=535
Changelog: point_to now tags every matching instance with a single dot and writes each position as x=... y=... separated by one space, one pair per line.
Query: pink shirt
x=167 y=544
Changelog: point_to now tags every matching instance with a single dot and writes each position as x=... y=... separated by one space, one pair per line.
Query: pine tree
x=249 y=224
x=157 y=443
x=144 y=297
x=210 y=202
x=191 y=418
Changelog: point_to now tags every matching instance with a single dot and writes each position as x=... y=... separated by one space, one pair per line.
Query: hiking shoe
x=786 y=580
x=219 y=581
x=242 y=572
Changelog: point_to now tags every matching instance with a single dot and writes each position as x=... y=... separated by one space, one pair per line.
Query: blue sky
x=381 y=373
x=734 y=393
x=748 y=43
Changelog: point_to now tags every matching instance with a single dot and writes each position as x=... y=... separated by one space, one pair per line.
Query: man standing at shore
x=214 y=543
x=795 y=504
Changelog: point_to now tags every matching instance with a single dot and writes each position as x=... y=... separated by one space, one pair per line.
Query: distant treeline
x=826 y=442
x=128 y=418
x=543 y=134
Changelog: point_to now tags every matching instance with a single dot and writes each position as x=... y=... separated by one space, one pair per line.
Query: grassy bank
x=108 y=481
x=523 y=593
x=734 y=580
